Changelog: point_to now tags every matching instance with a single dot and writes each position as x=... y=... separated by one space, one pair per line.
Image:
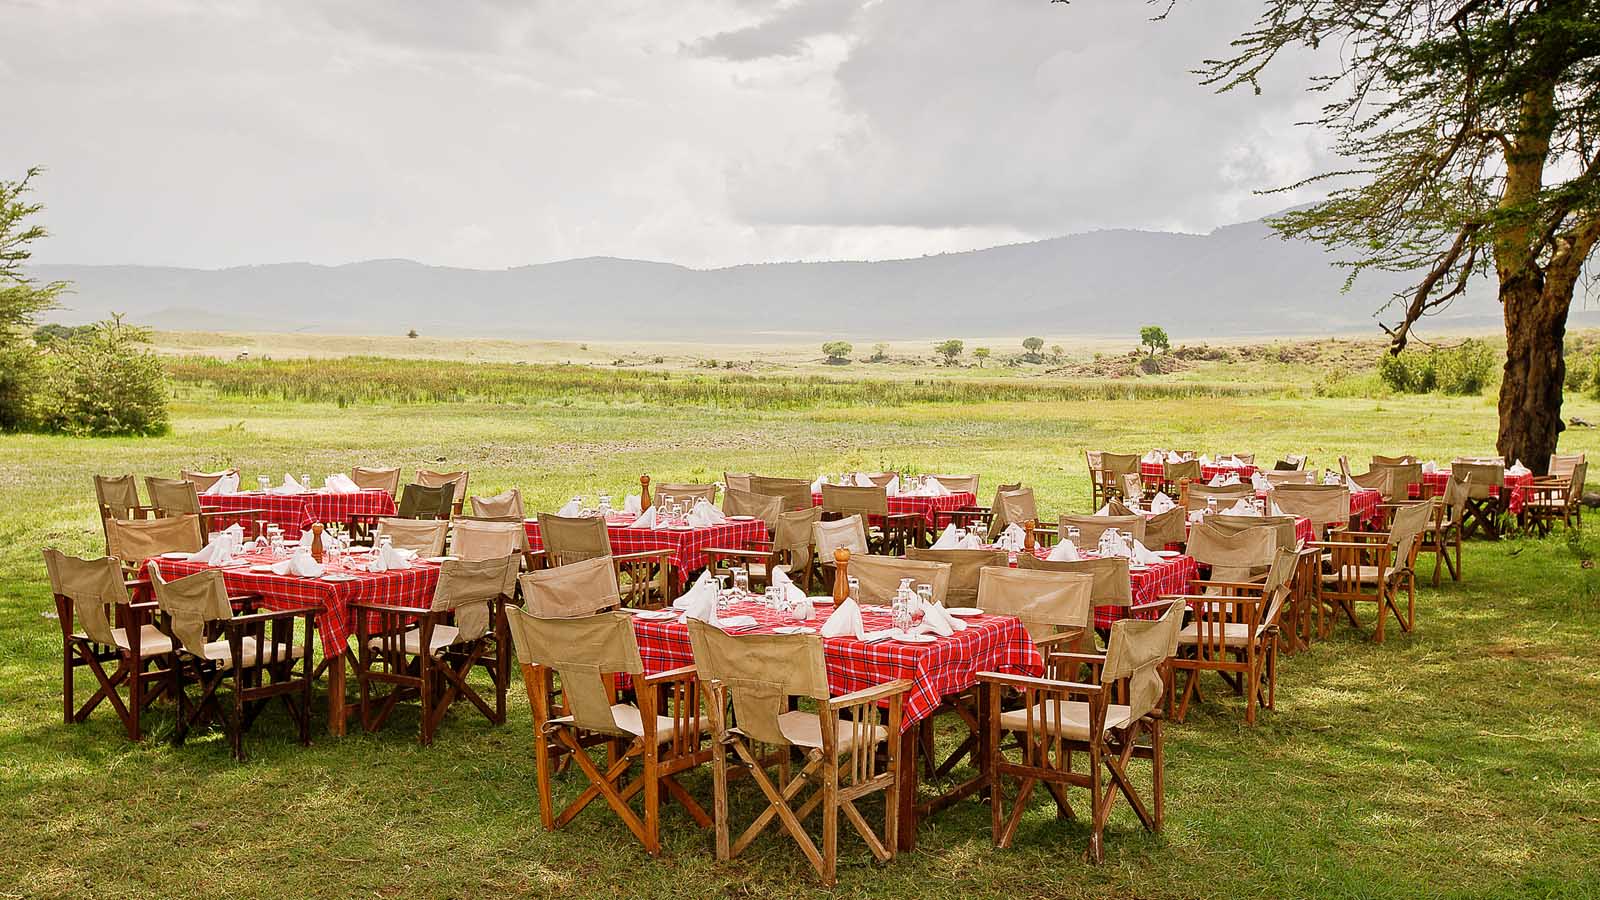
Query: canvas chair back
x=1091 y=527
x=475 y=539
x=1563 y=466
x=93 y=586
x=794 y=533
x=1323 y=504
x=1290 y=464
x=957 y=484
x=456 y=481
x=521 y=530
x=687 y=494
x=880 y=576
x=573 y=590
x=581 y=651
x=761 y=672
x=172 y=496
x=1115 y=465
x=1580 y=473
x=966 y=566
x=735 y=481
x=1045 y=601
x=376 y=479
x=1225 y=495
x=1001 y=491
x=1175 y=471
x=424 y=536
x=796 y=492
x=1235 y=556
x=1016 y=506
x=849 y=532
x=1405 y=527
x=1137 y=650
x=1282 y=526
x=420 y=501
x=570 y=539
x=469 y=587
x=192 y=603
x=1401 y=477
x=136 y=540
x=855 y=501
x=1403 y=460
x=505 y=503
x=118 y=496
x=737 y=502
x=1113 y=586
x=1170 y=527
x=1479 y=477
x=1248 y=459
x=1286 y=476
x=203 y=481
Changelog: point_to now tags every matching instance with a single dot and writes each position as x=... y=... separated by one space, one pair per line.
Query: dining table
x=687 y=543
x=296 y=513
x=926 y=506
x=330 y=594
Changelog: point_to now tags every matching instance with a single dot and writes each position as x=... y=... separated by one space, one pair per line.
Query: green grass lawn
x=1461 y=761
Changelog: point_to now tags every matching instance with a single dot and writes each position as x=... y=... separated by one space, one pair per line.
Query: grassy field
x=1462 y=761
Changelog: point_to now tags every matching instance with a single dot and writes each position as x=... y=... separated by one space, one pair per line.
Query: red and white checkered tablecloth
x=295 y=513
x=688 y=546
x=1170 y=576
x=926 y=507
x=1435 y=482
x=335 y=624
x=937 y=670
x=1152 y=473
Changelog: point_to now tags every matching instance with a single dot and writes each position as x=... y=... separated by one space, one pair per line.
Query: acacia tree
x=1473 y=131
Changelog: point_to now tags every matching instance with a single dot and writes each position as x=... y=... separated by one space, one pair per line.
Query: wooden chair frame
x=1342 y=586
x=78 y=651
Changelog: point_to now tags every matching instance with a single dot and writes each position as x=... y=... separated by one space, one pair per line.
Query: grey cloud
x=784 y=33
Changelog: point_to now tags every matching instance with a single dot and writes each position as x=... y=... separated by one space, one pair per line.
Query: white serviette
x=864 y=480
x=893 y=487
x=1174 y=457
x=1243 y=508
x=646 y=519
x=701 y=604
x=1064 y=552
x=1206 y=460
x=227 y=484
x=570 y=509
x=1012 y=538
x=845 y=621
x=214 y=553
x=704 y=515
x=936 y=621
x=1154 y=456
x=701 y=585
x=290 y=486
x=947 y=538
x=793 y=593
x=630 y=504
x=1104 y=510
x=1117 y=545
x=933 y=487
x=1517 y=468
x=816 y=486
x=340 y=483
x=971 y=542
x=391 y=558
x=737 y=623
x=1143 y=555
x=300 y=563
x=1260 y=482
x=1430 y=467
x=1160 y=503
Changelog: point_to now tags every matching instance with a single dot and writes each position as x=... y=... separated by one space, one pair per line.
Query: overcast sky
x=492 y=133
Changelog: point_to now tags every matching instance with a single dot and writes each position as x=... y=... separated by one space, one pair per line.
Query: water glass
x=1073 y=534
x=925 y=594
x=855 y=588
x=605 y=504
x=1211 y=506
x=741 y=582
x=305 y=480
x=264 y=483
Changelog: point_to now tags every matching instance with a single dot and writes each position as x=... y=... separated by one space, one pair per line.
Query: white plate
x=440 y=559
x=964 y=611
x=794 y=629
x=654 y=615
x=680 y=527
x=741 y=518
x=913 y=638
x=263 y=567
x=339 y=577
x=176 y=554
x=1168 y=554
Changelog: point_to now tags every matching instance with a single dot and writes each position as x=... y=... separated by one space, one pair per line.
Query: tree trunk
x=1530 y=392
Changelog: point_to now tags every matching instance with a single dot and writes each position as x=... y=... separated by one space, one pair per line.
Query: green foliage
x=53 y=331
x=837 y=351
x=982 y=353
x=1465 y=369
x=19 y=379
x=1154 y=337
x=1031 y=347
x=950 y=350
x=21 y=298
x=880 y=352
x=106 y=382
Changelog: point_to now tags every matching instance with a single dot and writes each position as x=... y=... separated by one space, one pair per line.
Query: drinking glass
x=264 y=482
x=855 y=588
x=1073 y=534
x=925 y=594
x=305 y=481
x=605 y=504
x=741 y=582
x=1211 y=506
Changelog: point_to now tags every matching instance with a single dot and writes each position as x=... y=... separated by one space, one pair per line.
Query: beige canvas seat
x=849 y=533
x=1091 y=527
x=796 y=492
x=1173 y=474
x=176 y=497
x=737 y=502
x=887 y=533
x=1059 y=714
x=136 y=540
x=1373 y=567
x=476 y=539
x=204 y=481
x=1236 y=636
x=455 y=481
x=1112 y=584
x=571 y=591
x=1326 y=505
x=646 y=576
x=1108 y=477
x=370 y=478
x=1556 y=495
x=100 y=623
x=1481 y=503
x=421 y=501
x=425 y=537
x=506 y=504
x=1282 y=526
x=1018 y=506
x=429 y=653
x=966 y=567
x=736 y=481
x=215 y=648
x=879 y=576
x=1055 y=607
x=1235 y=556
x=843 y=763
x=958 y=484
x=1200 y=496
x=1164 y=529
x=663 y=734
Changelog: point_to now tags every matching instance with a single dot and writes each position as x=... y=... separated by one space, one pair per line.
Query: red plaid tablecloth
x=940 y=669
x=1437 y=481
x=1170 y=576
x=925 y=507
x=335 y=624
x=688 y=547
x=1152 y=473
x=297 y=512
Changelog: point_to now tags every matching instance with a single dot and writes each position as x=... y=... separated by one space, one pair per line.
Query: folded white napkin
x=863 y=480
x=1260 y=482
x=737 y=623
x=300 y=563
x=1104 y=510
x=1351 y=484
x=1174 y=457
x=705 y=583
x=816 y=486
x=647 y=519
x=391 y=558
x=289 y=486
x=1012 y=538
x=893 y=487
x=1331 y=477
x=340 y=483
x=214 y=553
x=630 y=504
x=1160 y=503
x=1430 y=467
x=704 y=515
x=227 y=484
x=1117 y=545
x=793 y=593
x=1242 y=508
x=935 y=620
x=235 y=533
x=570 y=509
x=947 y=538
x=1517 y=468
x=845 y=621
x=1143 y=555
x=1064 y=552
x=699 y=603
x=1154 y=456
x=971 y=542
x=1206 y=460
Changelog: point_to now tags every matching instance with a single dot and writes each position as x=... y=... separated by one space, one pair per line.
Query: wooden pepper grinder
x=1183 y=492
x=841 y=575
x=1028 y=537
x=316 y=542
x=644 y=493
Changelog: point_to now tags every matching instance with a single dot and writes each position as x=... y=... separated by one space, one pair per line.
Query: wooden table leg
x=906 y=784
x=336 y=710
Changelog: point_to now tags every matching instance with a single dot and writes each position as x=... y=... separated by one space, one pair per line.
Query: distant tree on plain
x=412 y=333
x=1033 y=345
x=982 y=353
x=838 y=352
x=1154 y=337
x=950 y=350
x=880 y=352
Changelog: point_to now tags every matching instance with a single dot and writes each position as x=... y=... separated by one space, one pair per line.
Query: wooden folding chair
x=1236 y=636
x=370 y=478
x=1110 y=479
x=214 y=648
x=796 y=492
x=759 y=674
x=1482 y=500
x=887 y=533
x=973 y=518
x=1173 y=474
x=1060 y=718
x=1013 y=507
x=1574 y=467
x=132 y=541
x=1373 y=567
x=100 y=623
x=176 y=497
x=424 y=537
x=646 y=576
x=664 y=732
x=429 y=653
x=456 y=481
x=506 y=504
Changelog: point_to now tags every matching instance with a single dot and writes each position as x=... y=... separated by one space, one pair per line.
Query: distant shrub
x=1463 y=370
x=838 y=352
x=20 y=368
x=107 y=382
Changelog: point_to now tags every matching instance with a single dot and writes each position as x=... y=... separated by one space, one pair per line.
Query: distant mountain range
x=1237 y=280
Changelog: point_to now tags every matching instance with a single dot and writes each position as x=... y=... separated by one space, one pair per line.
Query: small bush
x=20 y=367
x=104 y=383
x=1466 y=369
